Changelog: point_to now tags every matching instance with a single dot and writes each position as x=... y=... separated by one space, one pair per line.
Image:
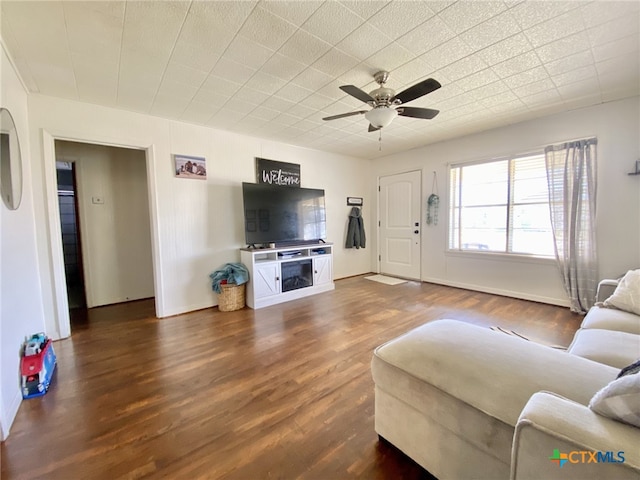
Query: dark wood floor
x=282 y=392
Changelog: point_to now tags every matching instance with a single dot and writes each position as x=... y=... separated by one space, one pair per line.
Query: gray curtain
x=571 y=175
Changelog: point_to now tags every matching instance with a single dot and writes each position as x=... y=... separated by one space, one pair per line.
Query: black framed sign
x=277 y=173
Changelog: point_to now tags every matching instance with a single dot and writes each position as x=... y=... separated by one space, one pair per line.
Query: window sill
x=502 y=257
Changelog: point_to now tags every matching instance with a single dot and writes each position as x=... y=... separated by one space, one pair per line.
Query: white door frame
x=52 y=210
x=379 y=247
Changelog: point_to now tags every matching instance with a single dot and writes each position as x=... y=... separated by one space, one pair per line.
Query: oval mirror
x=10 y=162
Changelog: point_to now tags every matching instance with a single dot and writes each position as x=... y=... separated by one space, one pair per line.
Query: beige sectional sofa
x=465 y=401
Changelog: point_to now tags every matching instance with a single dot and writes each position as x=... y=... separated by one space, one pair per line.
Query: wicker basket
x=231 y=298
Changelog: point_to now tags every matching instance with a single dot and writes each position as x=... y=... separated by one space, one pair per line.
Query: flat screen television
x=283 y=215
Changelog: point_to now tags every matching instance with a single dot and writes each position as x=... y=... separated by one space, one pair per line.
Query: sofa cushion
x=617 y=349
x=627 y=294
x=493 y=372
x=620 y=399
x=612 y=319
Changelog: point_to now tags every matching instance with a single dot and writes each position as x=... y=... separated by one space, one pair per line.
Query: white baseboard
x=186 y=309
x=561 y=302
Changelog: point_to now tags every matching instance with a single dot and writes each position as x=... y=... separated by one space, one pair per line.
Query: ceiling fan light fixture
x=381 y=117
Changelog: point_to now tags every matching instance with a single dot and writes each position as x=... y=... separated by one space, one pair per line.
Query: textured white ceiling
x=272 y=68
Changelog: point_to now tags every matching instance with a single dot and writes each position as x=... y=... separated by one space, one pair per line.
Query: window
x=501 y=206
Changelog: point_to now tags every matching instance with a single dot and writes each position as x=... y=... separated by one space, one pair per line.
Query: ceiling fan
x=386 y=104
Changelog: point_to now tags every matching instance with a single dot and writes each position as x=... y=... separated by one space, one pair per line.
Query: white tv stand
x=281 y=274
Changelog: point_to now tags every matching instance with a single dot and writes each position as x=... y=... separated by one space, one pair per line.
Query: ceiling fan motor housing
x=383 y=96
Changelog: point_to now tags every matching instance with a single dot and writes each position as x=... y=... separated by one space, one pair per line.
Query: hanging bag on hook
x=433 y=203
x=432 y=209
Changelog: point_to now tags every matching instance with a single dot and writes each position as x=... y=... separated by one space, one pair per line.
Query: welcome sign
x=277 y=173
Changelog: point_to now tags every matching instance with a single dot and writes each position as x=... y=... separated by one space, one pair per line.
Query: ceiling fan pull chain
x=380 y=140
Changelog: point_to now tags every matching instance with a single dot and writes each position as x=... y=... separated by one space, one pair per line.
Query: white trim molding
x=57 y=272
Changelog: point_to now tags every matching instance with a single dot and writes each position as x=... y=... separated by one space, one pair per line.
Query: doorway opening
x=69 y=225
x=105 y=225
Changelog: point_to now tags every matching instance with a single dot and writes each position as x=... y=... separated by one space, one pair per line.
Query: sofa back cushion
x=616 y=349
x=611 y=319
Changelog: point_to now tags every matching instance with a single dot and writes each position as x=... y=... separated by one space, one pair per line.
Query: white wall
x=115 y=234
x=616 y=125
x=21 y=311
x=196 y=225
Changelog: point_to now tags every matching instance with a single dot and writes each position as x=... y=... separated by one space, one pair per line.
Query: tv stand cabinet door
x=266 y=280
x=322 y=270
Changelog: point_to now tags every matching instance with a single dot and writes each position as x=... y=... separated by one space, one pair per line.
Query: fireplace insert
x=296 y=275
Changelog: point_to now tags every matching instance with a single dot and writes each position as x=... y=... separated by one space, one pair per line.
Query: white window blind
x=501 y=206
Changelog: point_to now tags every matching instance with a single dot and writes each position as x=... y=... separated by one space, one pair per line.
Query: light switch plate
x=97 y=200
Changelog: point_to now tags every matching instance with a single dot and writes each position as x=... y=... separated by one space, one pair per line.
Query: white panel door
x=321 y=270
x=400 y=224
x=266 y=280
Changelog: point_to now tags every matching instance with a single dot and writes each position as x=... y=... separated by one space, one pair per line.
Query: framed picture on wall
x=190 y=167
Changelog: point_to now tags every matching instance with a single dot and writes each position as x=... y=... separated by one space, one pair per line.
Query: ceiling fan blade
x=372 y=128
x=417 y=112
x=357 y=93
x=342 y=115
x=418 y=90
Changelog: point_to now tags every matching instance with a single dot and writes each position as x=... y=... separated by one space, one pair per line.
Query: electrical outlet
x=97 y=200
